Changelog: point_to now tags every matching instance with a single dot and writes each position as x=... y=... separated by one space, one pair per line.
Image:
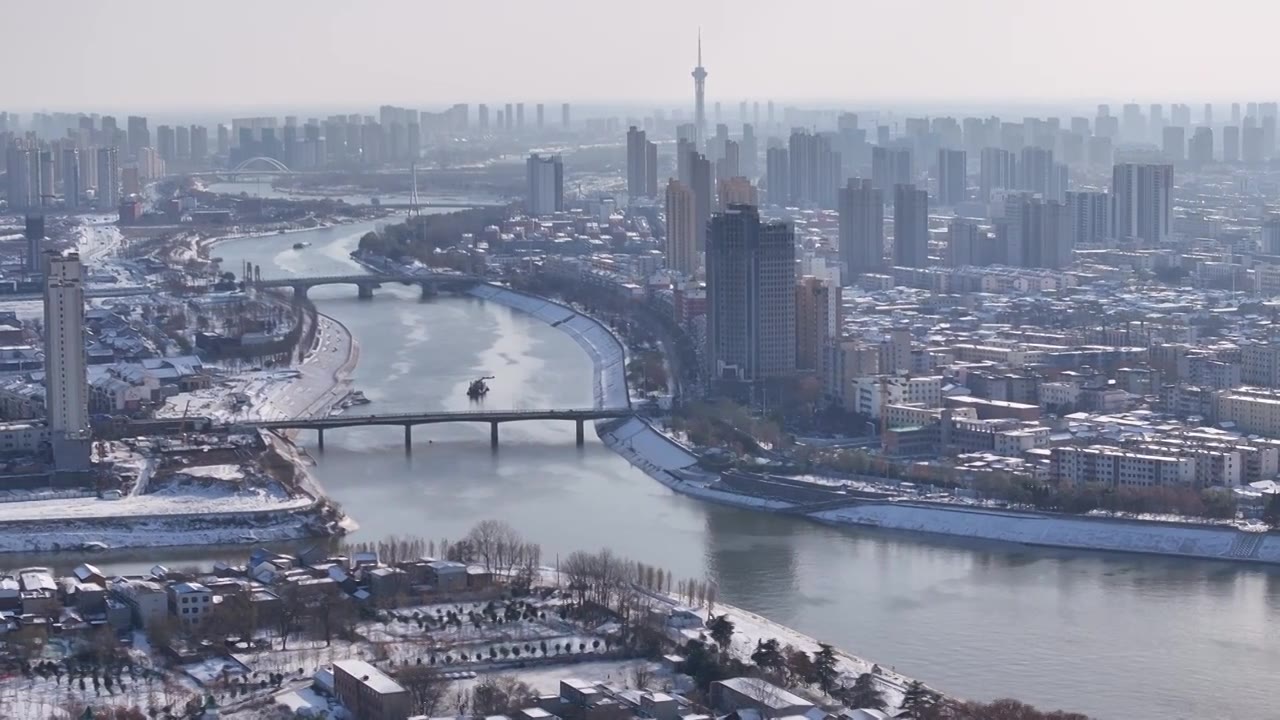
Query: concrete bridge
x=366 y=283
x=409 y=420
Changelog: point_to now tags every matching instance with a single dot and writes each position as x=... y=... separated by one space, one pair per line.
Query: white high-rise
x=1141 y=206
x=545 y=185
x=66 y=386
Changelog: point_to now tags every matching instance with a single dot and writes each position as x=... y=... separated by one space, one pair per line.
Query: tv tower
x=699 y=92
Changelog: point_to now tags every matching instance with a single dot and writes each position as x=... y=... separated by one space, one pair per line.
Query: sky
x=158 y=55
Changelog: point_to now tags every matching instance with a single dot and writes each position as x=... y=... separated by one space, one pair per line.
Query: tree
x=918 y=702
x=721 y=628
x=427 y=689
x=800 y=666
x=1004 y=710
x=824 y=667
x=768 y=655
x=863 y=694
x=500 y=695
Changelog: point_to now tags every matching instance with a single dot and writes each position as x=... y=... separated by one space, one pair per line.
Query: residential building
x=545 y=185
x=1141 y=202
x=910 y=226
x=861 y=228
x=368 y=693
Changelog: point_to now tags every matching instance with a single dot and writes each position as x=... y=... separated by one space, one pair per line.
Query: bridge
x=409 y=420
x=366 y=283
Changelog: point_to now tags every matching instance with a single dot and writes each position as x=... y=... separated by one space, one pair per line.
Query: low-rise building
x=368 y=693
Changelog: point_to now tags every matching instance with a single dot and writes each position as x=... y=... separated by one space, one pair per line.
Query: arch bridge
x=366 y=283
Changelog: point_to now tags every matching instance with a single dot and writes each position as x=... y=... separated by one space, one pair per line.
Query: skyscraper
x=700 y=181
x=682 y=229
x=482 y=117
x=22 y=169
x=637 y=162
x=890 y=167
x=139 y=136
x=108 y=178
x=962 y=243
x=815 y=169
x=1035 y=170
x=699 y=98
x=817 y=321
x=545 y=185
x=1140 y=197
x=861 y=228
x=66 y=386
x=751 y=295
x=953 y=184
x=735 y=190
x=1231 y=144
x=1038 y=233
x=777 y=176
x=1200 y=149
x=910 y=226
x=997 y=169
x=1090 y=217
x=166 y=143
x=71 y=190
x=1174 y=144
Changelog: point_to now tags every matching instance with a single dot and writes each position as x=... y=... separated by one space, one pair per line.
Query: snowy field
x=183 y=500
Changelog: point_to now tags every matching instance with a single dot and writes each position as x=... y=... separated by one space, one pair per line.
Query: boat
x=301 y=245
x=478 y=387
x=357 y=398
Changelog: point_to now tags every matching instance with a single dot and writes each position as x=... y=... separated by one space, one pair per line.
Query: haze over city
x=413 y=360
x=334 y=54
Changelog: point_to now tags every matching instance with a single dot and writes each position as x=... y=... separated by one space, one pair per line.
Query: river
x=1116 y=636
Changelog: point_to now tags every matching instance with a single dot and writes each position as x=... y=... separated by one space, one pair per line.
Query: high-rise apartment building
x=682 y=229
x=139 y=136
x=545 y=185
x=1200 y=149
x=997 y=170
x=71 y=189
x=1038 y=233
x=890 y=167
x=815 y=170
x=638 y=169
x=735 y=190
x=910 y=226
x=777 y=176
x=22 y=169
x=1174 y=144
x=700 y=182
x=66 y=383
x=1090 y=217
x=108 y=178
x=1231 y=144
x=861 y=228
x=953 y=181
x=750 y=266
x=817 y=321
x=1140 y=197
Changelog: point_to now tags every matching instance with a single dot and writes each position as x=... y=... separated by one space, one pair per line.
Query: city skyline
x=393 y=62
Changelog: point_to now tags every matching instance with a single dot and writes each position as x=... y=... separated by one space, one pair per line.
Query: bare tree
x=428 y=690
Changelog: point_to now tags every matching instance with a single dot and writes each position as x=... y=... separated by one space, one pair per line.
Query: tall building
x=815 y=170
x=545 y=185
x=637 y=163
x=1231 y=144
x=22 y=169
x=777 y=176
x=1038 y=233
x=953 y=181
x=1090 y=217
x=482 y=117
x=1035 y=170
x=139 y=136
x=519 y=116
x=71 y=189
x=699 y=99
x=682 y=229
x=108 y=178
x=962 y=243
x=751 y=297
x=199 y=143
x=1200 y=149
x=1251 y=144
x=890 y=167
x=700 y=182
x=1174 y=144
x=910 y=227
x=997 y=170
x=34 y=234
x=817 y=321
x=166 y=143
x=66 y=383
x=750 y=155
x=735 y=190
x=861 y=228
x=1140 y=202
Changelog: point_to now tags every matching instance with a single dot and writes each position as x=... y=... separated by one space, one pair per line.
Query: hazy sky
x=165 y=54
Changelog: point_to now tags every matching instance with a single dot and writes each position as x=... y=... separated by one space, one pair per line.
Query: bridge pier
x=408 y=439
x=320 y=438
x=428 y=291
x=493 y=434
x=299 y=292
x=580 y=435
x=365 y=292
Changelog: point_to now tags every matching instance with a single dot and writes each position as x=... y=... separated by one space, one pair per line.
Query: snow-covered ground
x=184 y=500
